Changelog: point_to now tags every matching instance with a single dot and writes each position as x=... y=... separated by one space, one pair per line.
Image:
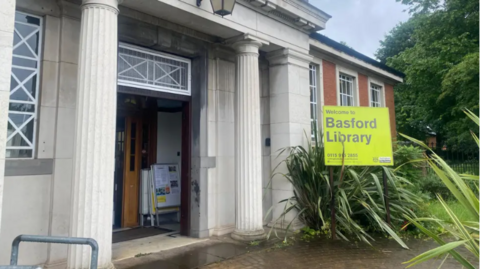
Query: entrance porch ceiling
x=278 y=28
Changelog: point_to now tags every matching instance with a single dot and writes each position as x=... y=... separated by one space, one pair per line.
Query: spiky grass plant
x=359 y=200
x=464 y=233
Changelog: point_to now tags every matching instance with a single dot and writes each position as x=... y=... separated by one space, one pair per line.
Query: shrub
x=433 y=185
x=358 y=191
x=407 y=162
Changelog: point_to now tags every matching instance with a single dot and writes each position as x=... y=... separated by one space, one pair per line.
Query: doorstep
x=152 y=244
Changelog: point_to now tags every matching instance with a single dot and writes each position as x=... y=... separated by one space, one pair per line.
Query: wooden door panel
x=131 y=179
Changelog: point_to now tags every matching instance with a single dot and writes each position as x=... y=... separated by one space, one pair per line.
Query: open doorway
x=150 y=132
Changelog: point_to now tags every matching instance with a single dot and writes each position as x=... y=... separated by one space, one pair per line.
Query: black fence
x=464 y=161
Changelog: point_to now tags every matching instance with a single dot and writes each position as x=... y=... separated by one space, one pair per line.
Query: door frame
x=186 y=160
x=186 y=150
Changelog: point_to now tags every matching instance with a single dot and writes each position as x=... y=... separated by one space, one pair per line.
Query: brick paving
x=323 y=253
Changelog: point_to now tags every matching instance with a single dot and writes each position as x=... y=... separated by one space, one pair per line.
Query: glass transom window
x=24 y=84
x=346 y=90
x=375 y=95
x=152 y=70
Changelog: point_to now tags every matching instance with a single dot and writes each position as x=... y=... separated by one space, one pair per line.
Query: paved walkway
x=225 y=253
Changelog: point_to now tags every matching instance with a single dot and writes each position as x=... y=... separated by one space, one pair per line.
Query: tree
x=437 y=49
x=345 y=44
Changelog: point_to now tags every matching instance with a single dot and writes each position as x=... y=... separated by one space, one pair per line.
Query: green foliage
x=403 y=32
x=254 y=243
x=435 y=209
x=432 y=185
x=406 y=162
x=309 y=234
x=358 y=191
x=462 y=225
x=345 y=44
x=437 y=49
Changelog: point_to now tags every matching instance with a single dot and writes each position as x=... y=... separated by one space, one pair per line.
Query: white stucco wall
x=26 y=210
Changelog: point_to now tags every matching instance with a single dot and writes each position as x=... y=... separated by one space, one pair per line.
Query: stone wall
x=221 y=125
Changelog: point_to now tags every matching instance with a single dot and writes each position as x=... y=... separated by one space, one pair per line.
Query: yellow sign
x=161 y=199
x=358 y=135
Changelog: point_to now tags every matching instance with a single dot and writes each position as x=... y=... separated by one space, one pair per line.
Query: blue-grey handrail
x=56 y=240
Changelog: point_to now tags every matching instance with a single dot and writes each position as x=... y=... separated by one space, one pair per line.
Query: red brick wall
x=390 y=103
x=329 y=83
x=363 y=89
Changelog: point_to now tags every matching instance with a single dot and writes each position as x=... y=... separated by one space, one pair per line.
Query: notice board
x=357 y=136
x=166 y=178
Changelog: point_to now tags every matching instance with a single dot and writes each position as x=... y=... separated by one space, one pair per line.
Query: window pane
x=21 y=107
x=375 y=95
x=132 y=163
x=313 y=98
x=19 y=153
x=24 y=62
x=22 y=17
x=132 y=146
x=24 y=86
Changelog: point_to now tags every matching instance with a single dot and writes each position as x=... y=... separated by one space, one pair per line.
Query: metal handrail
x=56 y=240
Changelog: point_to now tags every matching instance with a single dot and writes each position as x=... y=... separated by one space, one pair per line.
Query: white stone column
x=7 y=13
x=92 y=190
x=248 y=156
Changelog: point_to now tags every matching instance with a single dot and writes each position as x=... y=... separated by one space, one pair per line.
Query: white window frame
x=340 y=70
x=313 y=76
x=158 y=88
x=379 y=83
x=37 y=72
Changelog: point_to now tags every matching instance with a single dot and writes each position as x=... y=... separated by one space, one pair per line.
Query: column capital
x=246 y=43
x=109 y=4
x=289 y=56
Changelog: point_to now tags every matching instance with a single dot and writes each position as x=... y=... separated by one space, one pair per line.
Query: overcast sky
x=361 y=23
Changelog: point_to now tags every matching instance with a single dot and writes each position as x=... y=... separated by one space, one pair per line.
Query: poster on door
x=167 y=184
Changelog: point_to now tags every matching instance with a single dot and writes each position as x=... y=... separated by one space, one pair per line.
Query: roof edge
x=340 y=47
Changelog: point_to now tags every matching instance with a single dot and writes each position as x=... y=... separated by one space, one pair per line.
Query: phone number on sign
x=342 y=155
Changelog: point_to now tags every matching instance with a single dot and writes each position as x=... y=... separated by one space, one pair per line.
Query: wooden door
x=131 y=171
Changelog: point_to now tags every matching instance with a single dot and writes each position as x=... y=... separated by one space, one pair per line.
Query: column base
x=249 y=236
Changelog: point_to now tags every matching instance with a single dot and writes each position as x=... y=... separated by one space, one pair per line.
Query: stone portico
x=249 y=95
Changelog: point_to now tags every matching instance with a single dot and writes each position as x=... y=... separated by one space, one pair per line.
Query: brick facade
x=329 y=74
x=390 y=103
x=329 y=83
x=363 y=89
